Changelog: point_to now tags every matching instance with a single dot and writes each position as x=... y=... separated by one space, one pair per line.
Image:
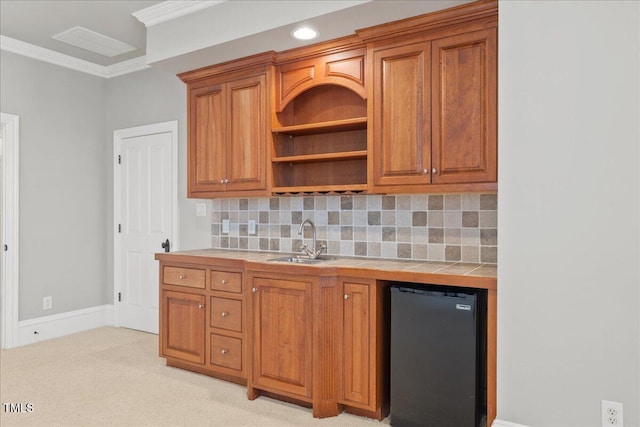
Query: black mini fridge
x=438 y=357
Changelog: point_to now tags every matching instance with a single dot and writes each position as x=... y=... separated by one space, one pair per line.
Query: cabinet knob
x=425 y=171
x=224 y=281
x=181 y=276
x=254 y=290
x=346 y=296
x=434 y=170
x=226 y=180
x=200 y=306
x=224 y=314
x=222 y=181
x=224 y=351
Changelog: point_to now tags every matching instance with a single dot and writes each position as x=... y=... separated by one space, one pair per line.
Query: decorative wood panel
x=401 y=111
x=182 y=326
x=464 y=108
x=282 y=336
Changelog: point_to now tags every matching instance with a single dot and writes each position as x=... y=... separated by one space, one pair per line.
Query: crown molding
x=46 y=55
x=126 y=67
x=171 y=9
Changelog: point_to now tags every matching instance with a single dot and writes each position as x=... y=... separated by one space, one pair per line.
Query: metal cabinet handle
x=346 y=296
x=254 y=290
x=200 y=306
x=224 y=351
x=425 y=171
x=181 y=277
x=224 y=281
x=222 y=181
x=434 y=170
x=224 y=314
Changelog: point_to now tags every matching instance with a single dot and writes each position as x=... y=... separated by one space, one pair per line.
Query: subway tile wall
x=417 y=227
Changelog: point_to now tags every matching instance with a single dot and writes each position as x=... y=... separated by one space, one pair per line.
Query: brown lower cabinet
x=182 y=329
x=365 y=378
x=202 y=320
x=319 y=339
x=282 y=336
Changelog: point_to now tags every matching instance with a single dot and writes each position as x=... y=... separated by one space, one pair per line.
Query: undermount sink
x=301 y=259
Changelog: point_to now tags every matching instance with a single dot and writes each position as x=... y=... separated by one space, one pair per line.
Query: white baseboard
x=58 y=325
x=500 y=423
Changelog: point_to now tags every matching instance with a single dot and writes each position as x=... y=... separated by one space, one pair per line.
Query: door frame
x=118 y=136
x=10 y=128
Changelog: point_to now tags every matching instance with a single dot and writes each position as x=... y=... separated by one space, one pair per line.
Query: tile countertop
x=426 y=272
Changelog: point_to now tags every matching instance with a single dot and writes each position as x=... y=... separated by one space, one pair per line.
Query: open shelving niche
x=320 y=143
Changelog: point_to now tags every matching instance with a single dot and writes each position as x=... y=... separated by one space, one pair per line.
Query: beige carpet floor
x=114 y=377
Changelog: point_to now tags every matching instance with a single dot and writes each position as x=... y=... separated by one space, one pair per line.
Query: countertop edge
x=442 y=274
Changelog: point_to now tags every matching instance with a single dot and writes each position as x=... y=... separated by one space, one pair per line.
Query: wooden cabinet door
x=247 y=145
x=182 y=326
x=207 y=139
x=282 y=336
x=356 y=358
x=464 y=144
x=401 y=113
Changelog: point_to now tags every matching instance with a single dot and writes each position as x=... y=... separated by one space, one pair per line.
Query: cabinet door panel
x=283 y=336
x=464 y=108
x=182 y=328
x=207 y=139
x=247 y=139
x=401 y=111
x=356 y=358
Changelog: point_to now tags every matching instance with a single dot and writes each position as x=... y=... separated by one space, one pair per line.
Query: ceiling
x=35 y=22
x=27 y=28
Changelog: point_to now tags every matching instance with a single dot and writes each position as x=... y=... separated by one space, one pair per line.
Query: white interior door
x=145 y=219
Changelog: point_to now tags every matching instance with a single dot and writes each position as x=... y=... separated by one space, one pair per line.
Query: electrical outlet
x=47 y=303
x=612 y=414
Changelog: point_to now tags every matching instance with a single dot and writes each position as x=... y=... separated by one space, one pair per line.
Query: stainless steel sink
x=301 y=259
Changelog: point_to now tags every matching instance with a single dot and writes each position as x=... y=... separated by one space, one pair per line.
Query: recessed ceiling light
x=94 y=42
x=304 y=33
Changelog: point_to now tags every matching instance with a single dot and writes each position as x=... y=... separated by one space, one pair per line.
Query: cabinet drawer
x=226 y=314
x=226 y=351
x=226 y=281
x=180 y=276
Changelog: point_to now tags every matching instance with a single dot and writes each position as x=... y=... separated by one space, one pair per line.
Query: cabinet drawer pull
x=224 y=351
x=181 y=277
x=346 y=296
x=225 y=281
x=200 y=306
x=224 y=314
x=254 y=290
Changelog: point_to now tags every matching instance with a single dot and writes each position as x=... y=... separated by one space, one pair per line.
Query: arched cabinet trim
x=345 y=69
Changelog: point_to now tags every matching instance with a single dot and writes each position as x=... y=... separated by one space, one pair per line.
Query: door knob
x=166 y=245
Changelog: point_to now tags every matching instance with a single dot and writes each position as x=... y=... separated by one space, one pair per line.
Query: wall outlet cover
x=201 y=209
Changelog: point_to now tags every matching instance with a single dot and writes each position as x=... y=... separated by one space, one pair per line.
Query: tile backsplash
x=417 y=227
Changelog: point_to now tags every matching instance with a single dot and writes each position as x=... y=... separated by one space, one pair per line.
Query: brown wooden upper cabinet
x=406 y=106
x=228 y=133
x=433 y=119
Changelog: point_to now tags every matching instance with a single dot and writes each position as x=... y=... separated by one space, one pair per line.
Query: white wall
x=62 y=183
x=569 y=216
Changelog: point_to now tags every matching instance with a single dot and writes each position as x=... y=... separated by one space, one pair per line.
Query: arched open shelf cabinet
x=320 y=142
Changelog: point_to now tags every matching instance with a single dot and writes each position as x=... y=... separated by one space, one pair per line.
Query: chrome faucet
x=311 y=253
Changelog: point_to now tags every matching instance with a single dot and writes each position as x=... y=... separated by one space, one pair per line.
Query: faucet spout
x=312 y=253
